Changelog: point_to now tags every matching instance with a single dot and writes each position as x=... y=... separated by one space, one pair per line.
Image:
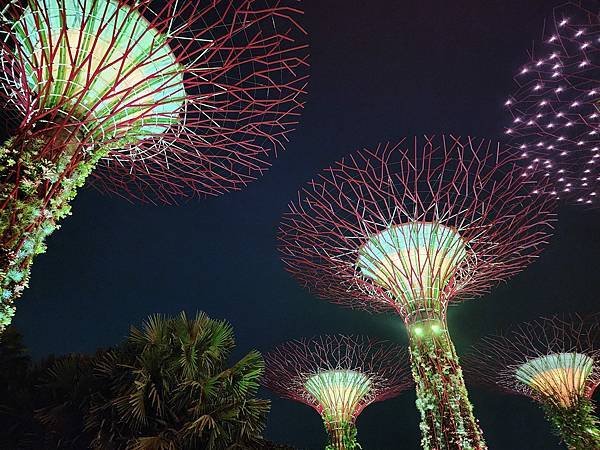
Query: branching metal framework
x=158 y=100
x=555 y=362
x=215 y=88
x=460 y=205
x=338 y=376
x=413 y=226
x=555 y=109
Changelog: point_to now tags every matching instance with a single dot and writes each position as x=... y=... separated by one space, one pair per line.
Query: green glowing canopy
x=415 y=261
x=110 y=69
x=560 y=376
x=338 y=392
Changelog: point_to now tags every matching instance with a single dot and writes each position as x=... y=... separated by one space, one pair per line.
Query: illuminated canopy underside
x=561 y=377
x=339 y=393
x=112 y=71
x=414 y=261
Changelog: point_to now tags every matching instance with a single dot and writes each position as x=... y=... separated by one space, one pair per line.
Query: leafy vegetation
x=39 y=179
x=167 y=386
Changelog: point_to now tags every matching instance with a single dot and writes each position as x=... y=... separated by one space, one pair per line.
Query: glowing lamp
x=339 y=392
x=106 y=56
x=414 y=261
x=561 y=376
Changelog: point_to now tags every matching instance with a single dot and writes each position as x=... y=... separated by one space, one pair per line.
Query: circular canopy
x=102 y=63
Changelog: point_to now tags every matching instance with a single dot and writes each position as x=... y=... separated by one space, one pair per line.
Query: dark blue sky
x=380 y=70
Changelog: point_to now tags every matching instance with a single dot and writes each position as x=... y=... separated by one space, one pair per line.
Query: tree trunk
x=576 y=426
x=447 y=420
x=342 y=436
x=39 y=177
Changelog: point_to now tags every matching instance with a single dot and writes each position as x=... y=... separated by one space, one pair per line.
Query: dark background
x=380 y=70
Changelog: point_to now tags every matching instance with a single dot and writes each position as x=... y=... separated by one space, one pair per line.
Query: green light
x=559 y=376
x=436 y=328
x=415 y=260
x=418 y=331
x=124 y=79
x=338 y=392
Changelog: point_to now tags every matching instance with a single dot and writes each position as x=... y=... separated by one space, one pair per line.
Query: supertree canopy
x=338 y=376
x=555 y=110
x=556 y=362
x=412 y=227
x=160 y=99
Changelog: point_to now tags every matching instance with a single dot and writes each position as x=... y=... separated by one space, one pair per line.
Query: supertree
x=555 y=110
x=158 y=100
x=555 y=362
x=338 y=376
x=414 y=226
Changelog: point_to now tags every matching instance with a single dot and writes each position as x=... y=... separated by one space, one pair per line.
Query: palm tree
x=42 y=404
x=168 y=386
x=63 y=388
x=17 y=426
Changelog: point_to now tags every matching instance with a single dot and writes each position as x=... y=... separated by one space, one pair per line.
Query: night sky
x=380 y=70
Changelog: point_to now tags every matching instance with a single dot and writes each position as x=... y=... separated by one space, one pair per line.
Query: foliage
x=342 y=436
x=42 y=404
x=167 y=386
x=447 y=420
x=577 y=426
x=38 y=181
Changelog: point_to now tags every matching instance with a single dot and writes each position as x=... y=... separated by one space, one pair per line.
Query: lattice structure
x=555 y=110
x=338 y=376
x=555 y=362
x=157 y=100
x=412 y=227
